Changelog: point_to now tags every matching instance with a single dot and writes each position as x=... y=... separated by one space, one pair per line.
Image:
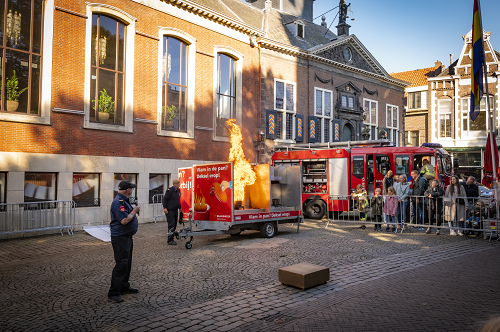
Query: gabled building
x=416 y=107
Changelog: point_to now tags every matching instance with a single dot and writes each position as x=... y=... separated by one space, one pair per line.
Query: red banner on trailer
x=185 y=182
x=213 y=192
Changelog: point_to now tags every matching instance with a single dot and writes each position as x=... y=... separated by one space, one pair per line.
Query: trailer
x=207 y=201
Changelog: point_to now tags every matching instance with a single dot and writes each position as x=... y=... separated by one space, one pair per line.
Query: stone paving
x=379 y=282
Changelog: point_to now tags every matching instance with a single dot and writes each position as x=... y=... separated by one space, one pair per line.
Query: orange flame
x=199 y=203
x=243 y=172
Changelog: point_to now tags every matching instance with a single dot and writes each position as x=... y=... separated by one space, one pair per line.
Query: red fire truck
x=336 y=168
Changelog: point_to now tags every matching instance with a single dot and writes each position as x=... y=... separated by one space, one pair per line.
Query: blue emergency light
x=432 y=145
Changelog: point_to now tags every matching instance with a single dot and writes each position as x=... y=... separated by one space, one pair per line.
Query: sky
x=405 y=35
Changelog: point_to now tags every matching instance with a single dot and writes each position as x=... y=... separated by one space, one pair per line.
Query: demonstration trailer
x=207 y=199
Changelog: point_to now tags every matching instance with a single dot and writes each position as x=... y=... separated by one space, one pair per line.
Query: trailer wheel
x=268 y=229
x=315 y=209
x=189 y=245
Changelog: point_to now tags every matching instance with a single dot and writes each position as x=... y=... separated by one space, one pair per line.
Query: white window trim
x=191 y=60
x=450 y=112
x=371 y=124
x=465 y=114
x=284 y=111
x=391 y=127
x=238 y=57
x=128 y=93
x=297 y=23
x=46 y=75
x=324 y=118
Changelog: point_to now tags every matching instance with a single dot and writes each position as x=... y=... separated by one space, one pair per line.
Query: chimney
x=438 y=67
x=451 y=59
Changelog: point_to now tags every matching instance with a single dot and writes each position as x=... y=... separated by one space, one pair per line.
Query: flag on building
x=477 y=60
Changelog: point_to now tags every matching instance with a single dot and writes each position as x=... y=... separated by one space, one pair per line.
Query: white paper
x=101 y=232
x=29 y=189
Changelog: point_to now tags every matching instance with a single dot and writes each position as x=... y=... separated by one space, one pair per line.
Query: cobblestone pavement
x=379 y=282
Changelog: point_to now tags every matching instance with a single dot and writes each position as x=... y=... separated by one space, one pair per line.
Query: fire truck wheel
x=268 y=229
x=315 y=209
x=189 y=245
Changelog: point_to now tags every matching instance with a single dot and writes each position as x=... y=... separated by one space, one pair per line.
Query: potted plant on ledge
x=12 y=87
x=106 y=106
x=170 y=116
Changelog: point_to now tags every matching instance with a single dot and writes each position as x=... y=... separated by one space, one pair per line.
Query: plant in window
x=106 y=105
x=170 y=115
x=12 y=87
x=382 y=134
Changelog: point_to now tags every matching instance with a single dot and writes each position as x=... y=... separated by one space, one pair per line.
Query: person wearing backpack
x=420 y=185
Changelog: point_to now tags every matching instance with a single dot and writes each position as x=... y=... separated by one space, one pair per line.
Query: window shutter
x=424 y=100
x=312 y=138
x=299 y=124
x=271 y=124
x=336 y=130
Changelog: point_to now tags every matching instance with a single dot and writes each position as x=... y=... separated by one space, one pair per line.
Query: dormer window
x=300 y=30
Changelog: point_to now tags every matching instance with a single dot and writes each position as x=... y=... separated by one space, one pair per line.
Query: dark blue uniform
x=121 y=240
x=172 y=202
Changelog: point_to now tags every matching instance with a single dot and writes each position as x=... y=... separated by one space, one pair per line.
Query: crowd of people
x=421 y=202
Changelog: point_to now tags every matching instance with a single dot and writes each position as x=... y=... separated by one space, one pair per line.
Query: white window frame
x=46 y=74
x=128 y=93
x=324 y=120
x=282 y=112
x=369 y=121
x=390 y=123
x=440 y=112
x=303 y=30
x=465 y=115
x=238 y=60
x=191 y=54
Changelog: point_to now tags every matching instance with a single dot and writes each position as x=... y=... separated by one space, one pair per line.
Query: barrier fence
x=459 y=215
x=158 y=207
x=37 y=216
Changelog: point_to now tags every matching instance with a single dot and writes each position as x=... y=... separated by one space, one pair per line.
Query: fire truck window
x=402 y=165
x=370 y=168
x=383 y=164
x=358 y=167
x=447 y=164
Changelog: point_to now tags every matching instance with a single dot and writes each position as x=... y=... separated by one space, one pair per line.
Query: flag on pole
x=477 y=60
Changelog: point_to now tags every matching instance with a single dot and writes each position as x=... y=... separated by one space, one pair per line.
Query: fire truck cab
x=334 y=169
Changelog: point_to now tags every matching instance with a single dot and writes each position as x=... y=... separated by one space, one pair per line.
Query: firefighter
x=428 y=170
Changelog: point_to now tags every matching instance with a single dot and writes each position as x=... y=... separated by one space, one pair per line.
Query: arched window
x=107 y=82
x=174 y=84
x=21 y=26
x=226 y=93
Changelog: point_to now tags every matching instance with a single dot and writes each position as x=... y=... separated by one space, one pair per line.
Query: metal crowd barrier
x=415 y=212
x=37 y=216
x=157 y=207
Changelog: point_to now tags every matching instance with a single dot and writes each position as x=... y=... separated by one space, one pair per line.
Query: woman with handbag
x=454 y=206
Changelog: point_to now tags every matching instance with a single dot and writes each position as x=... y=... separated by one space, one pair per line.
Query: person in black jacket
x=420 y=185
x=434 y=196
x=377 y=204
x=171 y=205
x=472 y=191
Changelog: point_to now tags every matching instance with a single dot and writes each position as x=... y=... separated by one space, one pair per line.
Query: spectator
x=434 y=206
x=361 y=198
x=474 y=220
x=472 y=191
x=420 y=185
x=391 y=208
x=387 y=182
x=454 y=209
x=402 y=189
x=377 y=203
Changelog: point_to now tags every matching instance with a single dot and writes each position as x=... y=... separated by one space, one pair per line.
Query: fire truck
x=334 y=169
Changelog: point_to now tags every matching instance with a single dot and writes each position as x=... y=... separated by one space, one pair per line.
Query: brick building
x=135 y=89
x=320 y=86
x=120 y=89
x=416 y=103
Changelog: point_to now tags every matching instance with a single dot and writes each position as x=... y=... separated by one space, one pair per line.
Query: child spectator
x=475 y=215
x=362 y=201
x=391 y=209
x=377 y=204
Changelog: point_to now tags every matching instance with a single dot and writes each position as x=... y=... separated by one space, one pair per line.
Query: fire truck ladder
x=331 y=145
